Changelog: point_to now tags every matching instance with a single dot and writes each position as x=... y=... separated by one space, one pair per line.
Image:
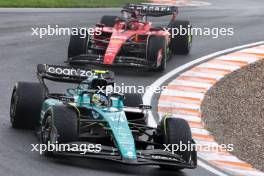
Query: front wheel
x=59 y=125
x=176 y=131
x=180 y=43
x=157 y=52
x=78 y=44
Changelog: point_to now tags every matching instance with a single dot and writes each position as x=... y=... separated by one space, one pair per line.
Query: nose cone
x=117 y=40
x=112 y=50
x=109 y=58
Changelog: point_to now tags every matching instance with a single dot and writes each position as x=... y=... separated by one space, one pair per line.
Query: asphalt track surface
x=20 y=53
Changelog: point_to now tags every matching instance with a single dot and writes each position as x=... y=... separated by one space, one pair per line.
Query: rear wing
x=154 y=10
x=70 y=74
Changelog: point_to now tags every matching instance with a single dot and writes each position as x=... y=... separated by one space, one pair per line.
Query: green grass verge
x=66 y=3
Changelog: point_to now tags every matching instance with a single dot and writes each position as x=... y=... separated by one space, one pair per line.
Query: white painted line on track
x=211 y=169
x=190 y=83
x=201 y=74
x=253 y=50
x=178 y=105
x=186 y=117
x=238 y=58
x=218 y=66
x=183 y=93
x=147 y=98
x=247 y=173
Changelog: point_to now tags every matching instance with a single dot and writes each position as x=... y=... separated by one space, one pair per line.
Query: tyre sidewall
x=155 y=45
x=29 y=98
x=176 y=131
x=78 y=44
x=180 y=44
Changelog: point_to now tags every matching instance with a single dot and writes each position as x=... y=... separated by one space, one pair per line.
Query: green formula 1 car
x=115 y=123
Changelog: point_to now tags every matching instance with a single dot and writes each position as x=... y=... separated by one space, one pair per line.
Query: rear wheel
x=180 y=44
x=156 y=52
x=175 y=131
x=25 y=106
x=78 y=44
x=59 y=125
x=109 y=21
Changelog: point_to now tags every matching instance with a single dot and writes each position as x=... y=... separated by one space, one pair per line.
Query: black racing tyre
x=59 y=125
x=175 y=131
x=133 y=100
x=109 y=21
x=65 y=120
x=25 y=106
x=180 y=44
x=78 y=43
x=157 y=48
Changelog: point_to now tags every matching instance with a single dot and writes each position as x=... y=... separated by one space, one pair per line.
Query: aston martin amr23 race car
x=88 y=115
x=132 y=40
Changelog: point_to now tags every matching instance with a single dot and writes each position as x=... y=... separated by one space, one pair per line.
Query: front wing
x=126 y=61
x=144 y=157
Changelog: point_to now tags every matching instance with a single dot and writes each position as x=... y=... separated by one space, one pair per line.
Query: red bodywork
x=120 y=36
x=129 y=40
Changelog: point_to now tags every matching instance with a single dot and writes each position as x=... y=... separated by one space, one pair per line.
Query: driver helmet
x=128 y=15
x=99 y=100
x=135 y=14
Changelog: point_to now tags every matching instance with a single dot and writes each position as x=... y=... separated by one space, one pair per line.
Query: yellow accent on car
x=100 y=71
x=165 y=118
x=74 y=106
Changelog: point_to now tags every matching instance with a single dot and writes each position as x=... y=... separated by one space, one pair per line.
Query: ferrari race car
x=132 y=40
x=116 y=123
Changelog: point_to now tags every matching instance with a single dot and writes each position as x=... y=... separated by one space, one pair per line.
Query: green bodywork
x=114 y=116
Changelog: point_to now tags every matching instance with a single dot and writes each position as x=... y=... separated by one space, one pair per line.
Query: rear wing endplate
x=67 y=74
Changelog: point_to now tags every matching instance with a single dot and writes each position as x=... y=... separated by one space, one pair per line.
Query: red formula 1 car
x=131 y=40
